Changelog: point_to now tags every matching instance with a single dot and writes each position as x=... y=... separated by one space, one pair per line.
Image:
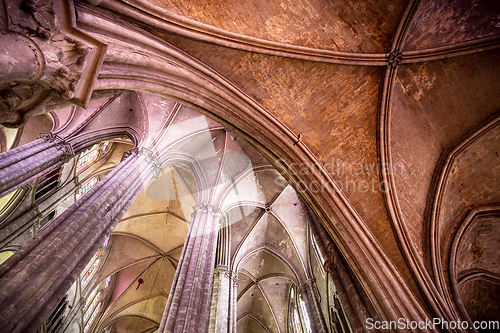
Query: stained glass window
x=87 y=186
x=87 y=157
x=296 y=321
x=92 y=316
x=89 y=272
x=94 y=257
x=305 y=315
x=92 y=306
x=106 y=284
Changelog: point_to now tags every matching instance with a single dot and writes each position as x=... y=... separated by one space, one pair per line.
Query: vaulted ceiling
x=383 y=89
x=266 y=220
x=384 y=95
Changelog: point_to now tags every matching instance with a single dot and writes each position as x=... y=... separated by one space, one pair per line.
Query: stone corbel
x=57 y=58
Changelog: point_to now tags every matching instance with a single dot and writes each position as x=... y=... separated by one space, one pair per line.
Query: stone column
x=314 y=307
x=37 y=276
x=352 y=301
x=224 y=297
x=188 y=305
x=23 y=164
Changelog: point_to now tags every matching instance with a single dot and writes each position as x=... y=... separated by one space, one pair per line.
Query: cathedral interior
x=249 y=166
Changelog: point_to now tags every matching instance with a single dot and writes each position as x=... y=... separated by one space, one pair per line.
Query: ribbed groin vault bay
x=258 y=262
x=249 y=166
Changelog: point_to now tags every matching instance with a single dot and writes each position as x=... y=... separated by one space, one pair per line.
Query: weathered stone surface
x=341 y=26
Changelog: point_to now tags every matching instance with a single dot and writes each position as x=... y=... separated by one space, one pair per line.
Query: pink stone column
x=37 y=276
x=224 y=298
x=23 y=164
x=188 y=305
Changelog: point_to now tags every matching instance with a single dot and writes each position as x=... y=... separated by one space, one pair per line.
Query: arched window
x=47 y=183
x=87 y=186
x=4 y=255
x=90 y=269
x=106 y=241
x=304 y=315
x=91 y=155
x=298 y=315
x=106 y=283
x=88 y=157
x=92 y=316
x=92 y=307
x=44 y=221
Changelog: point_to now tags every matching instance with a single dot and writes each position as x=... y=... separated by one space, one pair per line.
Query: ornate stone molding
x=153 y=161
x=68 y=63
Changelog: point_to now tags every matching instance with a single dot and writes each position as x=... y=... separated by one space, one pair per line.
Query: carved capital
x=62 y=60
x=132 y=152
x=60 y=144
x=224 y=271
x=200 y=208
x=153 y=161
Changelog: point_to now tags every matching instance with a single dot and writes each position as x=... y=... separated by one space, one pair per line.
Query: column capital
x=60 y=143
x=153 y=161
x=208 y=209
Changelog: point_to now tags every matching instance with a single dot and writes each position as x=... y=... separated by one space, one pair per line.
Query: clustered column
x=317 y=320
x=23 y=164
x=224 y=298
x=352 y=301
x=37 y=276
x=188 y=305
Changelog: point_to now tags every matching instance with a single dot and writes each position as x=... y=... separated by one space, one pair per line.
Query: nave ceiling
x=390 y=91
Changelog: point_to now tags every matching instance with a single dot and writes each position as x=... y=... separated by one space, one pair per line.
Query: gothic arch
x=189 y=82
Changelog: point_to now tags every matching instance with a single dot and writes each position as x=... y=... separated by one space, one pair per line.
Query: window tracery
x=92 y=317
x=92 y=155
x=87 y=157
x=92 y=306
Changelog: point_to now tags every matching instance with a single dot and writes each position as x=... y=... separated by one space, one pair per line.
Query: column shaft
x=223 y=312
x=36 y=277
x=188 y=305
x=318 y=320
x=23 y=164
x=351 y=300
